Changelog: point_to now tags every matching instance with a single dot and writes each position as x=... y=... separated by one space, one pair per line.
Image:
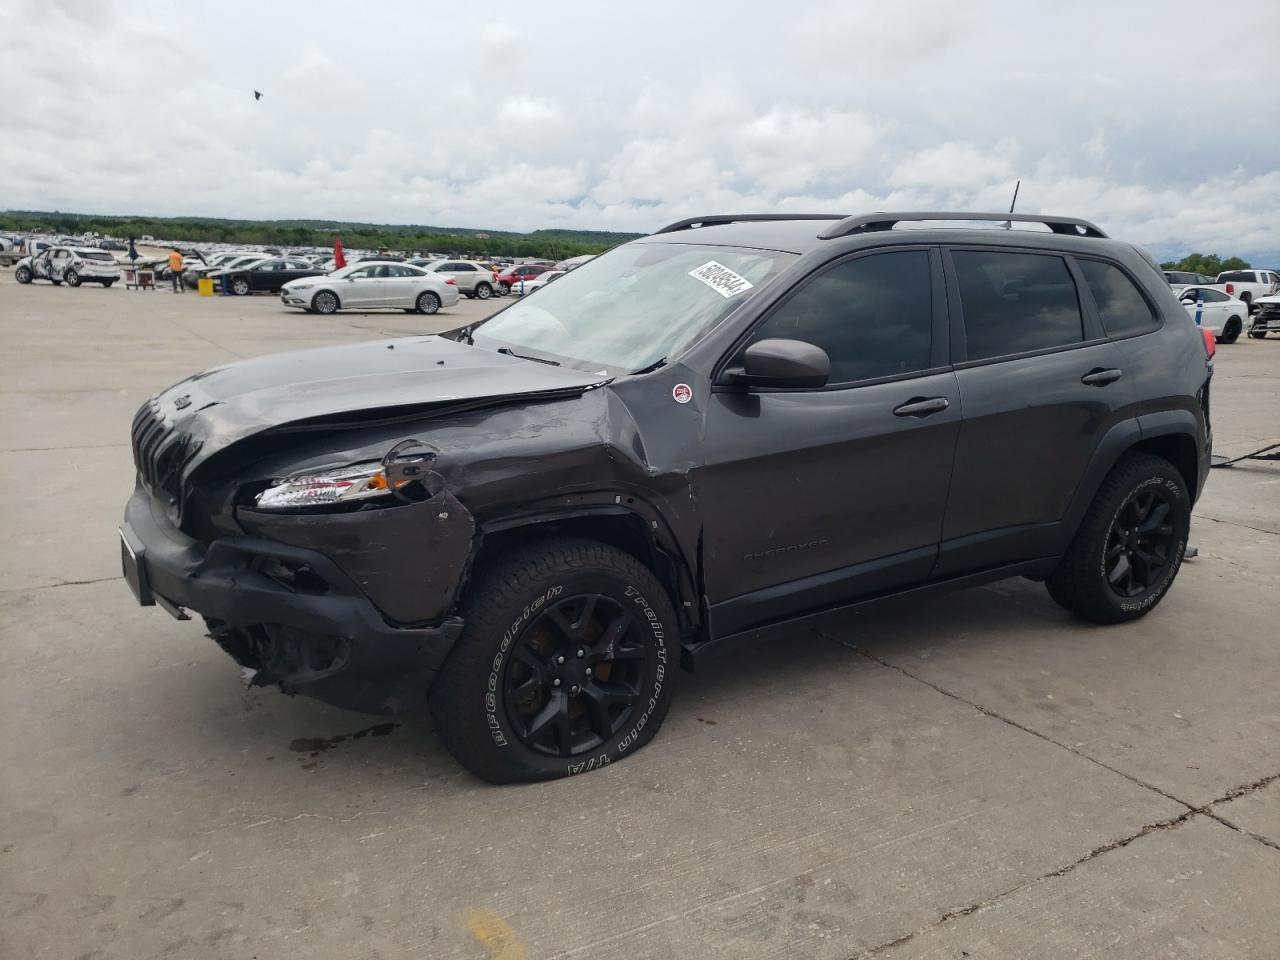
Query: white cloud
x=599 y=117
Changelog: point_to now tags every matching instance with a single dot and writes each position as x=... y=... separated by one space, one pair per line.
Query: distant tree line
x=1208 y=264
x=548 y=244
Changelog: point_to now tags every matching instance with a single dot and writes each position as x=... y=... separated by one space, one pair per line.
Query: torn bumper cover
x=302 y=614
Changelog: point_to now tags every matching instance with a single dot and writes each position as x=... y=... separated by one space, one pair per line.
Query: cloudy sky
x=1161 y=121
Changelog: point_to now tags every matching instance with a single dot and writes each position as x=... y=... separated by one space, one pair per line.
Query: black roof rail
x=870 y=222
x=719 y=218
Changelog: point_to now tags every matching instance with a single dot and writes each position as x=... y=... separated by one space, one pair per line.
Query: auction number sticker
x=721 y=279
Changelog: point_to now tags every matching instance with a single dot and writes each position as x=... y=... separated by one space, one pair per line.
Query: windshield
x=633 y=306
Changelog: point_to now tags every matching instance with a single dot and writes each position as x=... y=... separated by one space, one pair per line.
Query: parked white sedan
x=371 y=285
x=1214 y=310
x=538 y=282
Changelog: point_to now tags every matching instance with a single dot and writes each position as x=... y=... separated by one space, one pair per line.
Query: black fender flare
x=668 y=559
x=1116 y=442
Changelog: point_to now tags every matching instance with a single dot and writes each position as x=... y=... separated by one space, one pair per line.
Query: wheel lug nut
x=588 y=671
x=581 y=654
x=574 y=688
x=560 y=659
x=555 y=682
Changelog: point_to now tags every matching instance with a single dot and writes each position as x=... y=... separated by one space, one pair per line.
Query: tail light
x=1231 y=289
x=451 y=282
x=1210 y=342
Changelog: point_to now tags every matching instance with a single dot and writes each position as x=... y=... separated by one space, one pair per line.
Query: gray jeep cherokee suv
x=707 y=436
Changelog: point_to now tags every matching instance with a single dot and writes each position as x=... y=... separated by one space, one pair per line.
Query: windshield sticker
x=681 y=393
x=721 y=279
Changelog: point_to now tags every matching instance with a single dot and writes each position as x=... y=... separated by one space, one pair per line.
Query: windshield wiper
x=511 y=353
x=650 y=368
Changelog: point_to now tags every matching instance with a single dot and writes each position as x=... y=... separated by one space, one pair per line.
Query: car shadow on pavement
x=266 y=725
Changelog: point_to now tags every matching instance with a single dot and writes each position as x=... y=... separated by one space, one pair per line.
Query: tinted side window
x=873 y=316
x=1123 y=309
x=1214 y=296
x=1236 y=276
x=1016 y=302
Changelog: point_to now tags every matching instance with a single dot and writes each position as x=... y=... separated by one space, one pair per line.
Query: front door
x=360 y=288
x=1040 y=386
x=813 y=497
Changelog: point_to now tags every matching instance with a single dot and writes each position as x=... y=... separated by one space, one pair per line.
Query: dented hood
x=211 y=410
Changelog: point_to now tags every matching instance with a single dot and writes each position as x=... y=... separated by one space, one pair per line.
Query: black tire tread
x=1072 y=584
x=495 y=591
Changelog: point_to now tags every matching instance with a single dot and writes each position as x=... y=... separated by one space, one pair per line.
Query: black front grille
x=160 y=453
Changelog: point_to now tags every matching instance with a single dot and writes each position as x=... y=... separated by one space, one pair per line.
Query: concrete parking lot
x=984 y=777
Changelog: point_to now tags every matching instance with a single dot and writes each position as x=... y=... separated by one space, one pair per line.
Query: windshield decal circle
x=682 y=393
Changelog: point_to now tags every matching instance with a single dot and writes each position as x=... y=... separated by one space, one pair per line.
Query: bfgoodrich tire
x=1129 y=545
x=567 y=663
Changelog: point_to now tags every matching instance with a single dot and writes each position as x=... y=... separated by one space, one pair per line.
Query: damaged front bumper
x=289 y=613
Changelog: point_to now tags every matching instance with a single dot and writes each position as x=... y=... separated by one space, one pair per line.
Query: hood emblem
x=183 y=401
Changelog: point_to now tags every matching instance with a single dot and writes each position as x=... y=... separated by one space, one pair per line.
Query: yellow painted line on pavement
x=494 y=934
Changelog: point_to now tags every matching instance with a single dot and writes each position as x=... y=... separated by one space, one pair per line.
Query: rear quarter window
x=1122 y=307
x=1016 y=303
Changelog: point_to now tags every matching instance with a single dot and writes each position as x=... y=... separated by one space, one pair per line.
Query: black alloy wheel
x=573 y=680
x=566 y=662
x=1231 y=331
x=1141 y=543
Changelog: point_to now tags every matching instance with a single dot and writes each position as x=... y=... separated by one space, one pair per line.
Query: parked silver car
x=474 y=279
x=370 y=285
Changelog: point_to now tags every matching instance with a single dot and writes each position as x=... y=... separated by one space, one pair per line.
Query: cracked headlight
x=340 y=485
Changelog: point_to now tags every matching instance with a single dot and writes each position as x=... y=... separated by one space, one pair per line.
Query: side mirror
x=782 y=363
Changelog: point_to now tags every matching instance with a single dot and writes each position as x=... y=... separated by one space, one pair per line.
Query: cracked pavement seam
x=62 y=583
x=1170 y=823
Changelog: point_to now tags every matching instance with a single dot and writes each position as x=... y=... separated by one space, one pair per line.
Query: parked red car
x=523 y=271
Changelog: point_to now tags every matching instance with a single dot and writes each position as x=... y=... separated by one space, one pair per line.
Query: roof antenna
x=1008 y=224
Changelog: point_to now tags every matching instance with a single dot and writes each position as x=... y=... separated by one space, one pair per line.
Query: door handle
x=1098 y=377
x=918 y=407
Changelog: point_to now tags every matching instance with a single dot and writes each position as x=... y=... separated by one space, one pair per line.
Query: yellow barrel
x=206 y=286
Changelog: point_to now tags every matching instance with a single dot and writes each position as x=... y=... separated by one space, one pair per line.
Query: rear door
x=812 y=497
x=266 y=276
x=1040 y=385
x=401 y=285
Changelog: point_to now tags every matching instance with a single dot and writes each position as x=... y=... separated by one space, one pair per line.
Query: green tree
x=1209 y=264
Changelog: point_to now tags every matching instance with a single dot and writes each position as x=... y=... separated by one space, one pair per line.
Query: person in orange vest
x=175 y=270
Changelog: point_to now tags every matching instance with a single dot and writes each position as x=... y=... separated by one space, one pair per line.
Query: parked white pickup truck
x=1248 y=285
x=11 y=253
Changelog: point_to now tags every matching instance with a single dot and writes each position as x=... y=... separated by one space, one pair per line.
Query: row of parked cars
x=1232 y=302
x=373 y=282
x=309 y=282
x=416 y=286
